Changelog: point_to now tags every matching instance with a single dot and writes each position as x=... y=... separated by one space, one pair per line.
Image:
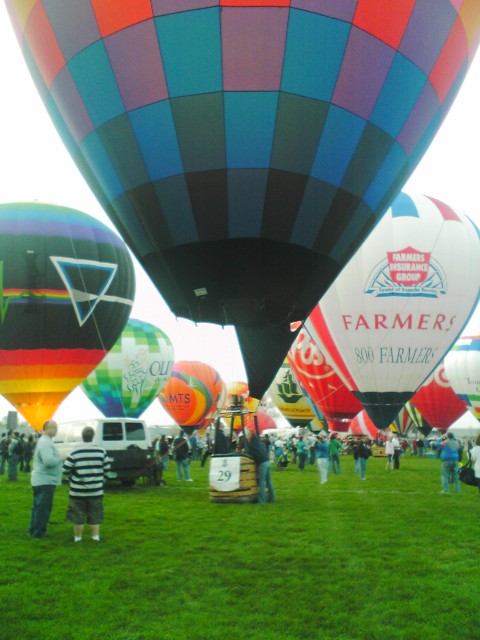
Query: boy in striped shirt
x=86 y=469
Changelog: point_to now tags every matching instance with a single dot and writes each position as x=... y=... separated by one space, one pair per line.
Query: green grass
x=388 y=558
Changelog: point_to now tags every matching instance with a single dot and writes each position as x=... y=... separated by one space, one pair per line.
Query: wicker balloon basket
x=247 y=483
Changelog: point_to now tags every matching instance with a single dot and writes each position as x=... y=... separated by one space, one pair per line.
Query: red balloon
x=264 y=421
x=339 y=426
x=321 y=382
x=437 y=401
x=362 y=425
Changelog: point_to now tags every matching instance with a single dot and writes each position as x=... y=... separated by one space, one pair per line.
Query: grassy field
x=387 y=558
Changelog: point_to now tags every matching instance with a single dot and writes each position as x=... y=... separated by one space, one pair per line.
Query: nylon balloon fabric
x=462 y=366
x=243 y=149
x=192 y=394
x=67 y=286
x=133 y=373
x=400 y=303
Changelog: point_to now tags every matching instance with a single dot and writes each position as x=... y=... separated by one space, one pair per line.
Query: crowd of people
x=87 y=468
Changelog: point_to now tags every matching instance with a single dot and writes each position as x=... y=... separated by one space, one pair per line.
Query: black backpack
x=18 y=448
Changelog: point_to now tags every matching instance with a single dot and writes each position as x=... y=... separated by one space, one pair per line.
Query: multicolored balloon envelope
x=437 y=401
x=263 y=421
x=400 y=303
x=289 y=398
x=133 y=373
x=244 y=149
x=462 y=366
x=322 y=384
x=67 y=286
x=192 y=394
x=362 y=425
x=405 y=419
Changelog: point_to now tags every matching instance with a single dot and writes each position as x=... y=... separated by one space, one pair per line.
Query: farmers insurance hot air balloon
x=133 y=373
x=244 y=149
x=67 y=290
x=401 y=302
x=462 y=366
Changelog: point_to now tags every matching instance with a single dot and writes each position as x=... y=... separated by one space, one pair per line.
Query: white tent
x=467 y=426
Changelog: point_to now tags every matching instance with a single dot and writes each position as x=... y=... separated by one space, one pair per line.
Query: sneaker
x=96 y=539
x=189 y=480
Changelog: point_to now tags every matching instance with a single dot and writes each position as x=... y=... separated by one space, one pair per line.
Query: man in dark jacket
x=181 y=454
x=258 y=451
x=220 y=444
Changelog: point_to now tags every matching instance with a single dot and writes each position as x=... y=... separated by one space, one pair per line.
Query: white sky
x=34 y=165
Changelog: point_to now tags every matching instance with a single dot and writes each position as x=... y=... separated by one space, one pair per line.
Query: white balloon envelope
x=401 y=302
x=462 y=366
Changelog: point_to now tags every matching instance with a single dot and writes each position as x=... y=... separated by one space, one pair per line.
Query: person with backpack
x=449 y=450
x=15 y=451
x=28 y=448
x=21 y=455
x=4 y=453
x=364 y=452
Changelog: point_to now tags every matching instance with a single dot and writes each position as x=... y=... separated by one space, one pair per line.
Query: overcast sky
x=35 y=166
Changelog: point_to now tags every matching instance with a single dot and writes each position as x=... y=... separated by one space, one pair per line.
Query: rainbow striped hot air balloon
x=67 y=290
x=133 y=373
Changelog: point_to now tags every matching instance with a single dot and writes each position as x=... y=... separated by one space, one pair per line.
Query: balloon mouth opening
x=241 y=281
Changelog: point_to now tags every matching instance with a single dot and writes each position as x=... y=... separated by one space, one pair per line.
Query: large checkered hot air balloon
x=67 y=285
x=133 y=372
x=400 y=303
x=245 y=148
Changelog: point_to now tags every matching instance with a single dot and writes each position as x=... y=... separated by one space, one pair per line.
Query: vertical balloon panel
x=67 y=291
x=243 y=149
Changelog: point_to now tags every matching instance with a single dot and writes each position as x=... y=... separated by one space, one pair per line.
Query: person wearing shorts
x=86 y=469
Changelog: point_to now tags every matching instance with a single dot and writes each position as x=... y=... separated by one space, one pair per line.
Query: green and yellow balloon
x=133 y=373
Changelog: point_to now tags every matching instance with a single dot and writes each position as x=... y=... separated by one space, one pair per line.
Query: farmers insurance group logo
x=408 y=273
